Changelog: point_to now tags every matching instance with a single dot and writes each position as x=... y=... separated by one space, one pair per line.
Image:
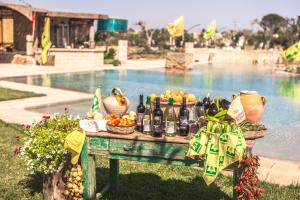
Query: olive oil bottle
x=170 y=119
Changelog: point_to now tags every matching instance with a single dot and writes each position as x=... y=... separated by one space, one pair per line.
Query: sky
x=158 y=13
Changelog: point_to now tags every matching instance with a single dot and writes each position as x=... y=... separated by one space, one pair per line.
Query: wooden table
x=136 y=146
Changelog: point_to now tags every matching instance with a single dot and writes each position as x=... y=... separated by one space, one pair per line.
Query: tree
x=161 y=38
x=148 y=33
x=274 y=22
x=271 y=24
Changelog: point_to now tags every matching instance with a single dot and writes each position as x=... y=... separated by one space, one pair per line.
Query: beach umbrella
x=46 y=43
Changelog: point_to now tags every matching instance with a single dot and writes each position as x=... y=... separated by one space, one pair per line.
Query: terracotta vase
x=253 y=105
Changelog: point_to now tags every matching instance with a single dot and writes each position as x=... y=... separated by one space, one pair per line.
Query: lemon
x=69 y=185
x=74 y=174
x=132 y=114
x=80 y=173
x=66 y=193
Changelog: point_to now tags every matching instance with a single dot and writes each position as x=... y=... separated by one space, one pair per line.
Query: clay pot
x=253 y=105
x=112 y=106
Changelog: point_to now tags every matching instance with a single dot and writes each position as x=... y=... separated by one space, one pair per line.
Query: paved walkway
x=10 y=70
x=18 y=111
x=277 y=171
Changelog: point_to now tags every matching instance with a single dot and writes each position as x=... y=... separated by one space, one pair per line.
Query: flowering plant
x=43 y=150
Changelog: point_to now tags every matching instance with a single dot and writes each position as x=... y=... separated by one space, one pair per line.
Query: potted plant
x=44 y=152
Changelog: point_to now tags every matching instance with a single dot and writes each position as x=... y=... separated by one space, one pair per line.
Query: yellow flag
x=176 y=28
x=292 y=53
x=46 y=43
x=211 y=30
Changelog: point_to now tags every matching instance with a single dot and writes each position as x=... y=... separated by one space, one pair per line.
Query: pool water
x=282 y=111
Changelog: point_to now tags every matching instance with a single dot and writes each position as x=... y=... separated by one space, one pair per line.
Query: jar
x=253 y=105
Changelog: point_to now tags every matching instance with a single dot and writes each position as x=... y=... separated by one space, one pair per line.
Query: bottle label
x=157 y=124
x=139 y=119
x=146 y=122
x=170 y=127
x=183 y=123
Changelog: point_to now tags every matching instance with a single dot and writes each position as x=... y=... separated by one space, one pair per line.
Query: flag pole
x=183 y=40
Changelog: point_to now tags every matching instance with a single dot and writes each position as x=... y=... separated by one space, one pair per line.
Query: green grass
x=9 y=94
x=138 y=180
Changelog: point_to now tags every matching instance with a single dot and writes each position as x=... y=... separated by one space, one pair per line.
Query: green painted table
x=136 y=146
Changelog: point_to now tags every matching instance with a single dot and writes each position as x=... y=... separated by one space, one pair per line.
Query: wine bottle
x=140 y=115
x=147 y=117
x=157 y=119
x=170 y=119
x=183 y=119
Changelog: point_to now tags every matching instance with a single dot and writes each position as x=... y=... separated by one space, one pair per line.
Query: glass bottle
x=147 y=117
x=157 y=119
x=183 y=119
x=170 y=119
x=193 y=120
x=140 y=114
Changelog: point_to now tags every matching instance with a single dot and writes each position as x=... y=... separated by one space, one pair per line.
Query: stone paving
x=10 y=70
x=277 y=171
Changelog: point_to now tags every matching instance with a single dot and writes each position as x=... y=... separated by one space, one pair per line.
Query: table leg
x=89 y=174
x=114 y=174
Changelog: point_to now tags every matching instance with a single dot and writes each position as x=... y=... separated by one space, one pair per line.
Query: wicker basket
x=120 y=130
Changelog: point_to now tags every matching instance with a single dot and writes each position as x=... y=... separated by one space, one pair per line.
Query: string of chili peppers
x=249 y=185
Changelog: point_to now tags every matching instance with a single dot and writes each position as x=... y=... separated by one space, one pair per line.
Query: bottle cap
x=148 y=101
x=171 y=101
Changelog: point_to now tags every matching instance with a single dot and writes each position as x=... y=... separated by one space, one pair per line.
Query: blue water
x=282 y=111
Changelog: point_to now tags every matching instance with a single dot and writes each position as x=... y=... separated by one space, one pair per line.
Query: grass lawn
x=9 y=94
x=138 y=180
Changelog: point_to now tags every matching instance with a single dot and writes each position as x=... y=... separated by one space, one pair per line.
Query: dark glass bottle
x=157 y=119
x=183 y=119
x=147 y=117
x=140 y=111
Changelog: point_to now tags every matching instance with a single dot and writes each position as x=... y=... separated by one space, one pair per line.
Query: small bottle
x=147 y=117
x=183 y=119
x=140 y=115
x=170 y=119
x=193 y=120
x=157 y=119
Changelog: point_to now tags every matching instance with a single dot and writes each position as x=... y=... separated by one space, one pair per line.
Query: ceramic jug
x=112 y=106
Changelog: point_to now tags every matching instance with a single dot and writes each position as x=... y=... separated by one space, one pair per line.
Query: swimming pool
x=282 y=111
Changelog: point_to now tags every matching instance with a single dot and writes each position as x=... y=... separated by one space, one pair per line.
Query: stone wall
x=179 y=61
x=221 y=56
x=7 y=57
x=78 y=57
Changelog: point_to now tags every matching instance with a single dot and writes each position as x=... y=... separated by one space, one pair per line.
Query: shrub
x=110 y=54
x=43 y=150
x=116 y=62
